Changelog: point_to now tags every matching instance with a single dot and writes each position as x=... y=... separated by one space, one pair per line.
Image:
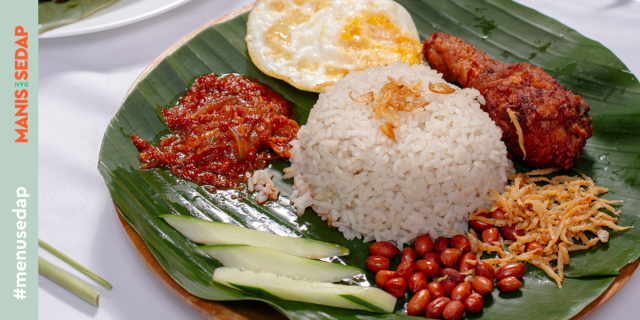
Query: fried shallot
x=397 y=96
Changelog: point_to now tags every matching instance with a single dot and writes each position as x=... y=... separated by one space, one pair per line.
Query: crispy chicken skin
x=457 y=60
x=555 y=122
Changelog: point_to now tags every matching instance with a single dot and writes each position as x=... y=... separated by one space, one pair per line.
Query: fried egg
x=313 y=43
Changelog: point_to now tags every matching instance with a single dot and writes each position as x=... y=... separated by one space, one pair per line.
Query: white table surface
x=83 y=80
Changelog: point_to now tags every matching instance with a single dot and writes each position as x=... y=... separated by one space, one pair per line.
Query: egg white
x=313 y=43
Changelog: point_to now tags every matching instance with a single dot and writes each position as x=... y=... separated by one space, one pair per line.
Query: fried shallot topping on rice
x=557 y=216
x=396 y=96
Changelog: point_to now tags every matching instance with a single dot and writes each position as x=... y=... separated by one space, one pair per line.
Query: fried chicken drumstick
x=555 y=122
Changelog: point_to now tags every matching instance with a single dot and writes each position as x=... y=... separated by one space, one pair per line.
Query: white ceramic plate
x=120 y=13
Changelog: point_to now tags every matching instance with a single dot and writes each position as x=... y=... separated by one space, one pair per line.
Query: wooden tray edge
x=625 y=274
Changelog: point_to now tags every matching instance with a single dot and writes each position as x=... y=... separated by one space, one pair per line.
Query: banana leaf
x=505 y=30
x=53 y=14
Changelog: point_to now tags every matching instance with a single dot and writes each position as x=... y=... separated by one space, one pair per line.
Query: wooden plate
x=247 y=309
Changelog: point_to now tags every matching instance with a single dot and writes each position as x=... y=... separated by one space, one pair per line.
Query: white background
x=83 y=80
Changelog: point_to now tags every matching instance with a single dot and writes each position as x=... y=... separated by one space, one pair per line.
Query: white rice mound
x=448 y=156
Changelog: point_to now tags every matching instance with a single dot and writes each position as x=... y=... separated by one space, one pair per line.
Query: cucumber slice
x=254 y=258
x=213 y=232
x=273 y=285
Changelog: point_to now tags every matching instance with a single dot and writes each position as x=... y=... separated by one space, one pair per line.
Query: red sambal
x=222 y=128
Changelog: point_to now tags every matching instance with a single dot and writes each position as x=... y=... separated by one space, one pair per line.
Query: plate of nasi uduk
x=347 y=159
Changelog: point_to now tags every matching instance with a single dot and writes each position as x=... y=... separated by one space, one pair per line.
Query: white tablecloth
x=83 y=80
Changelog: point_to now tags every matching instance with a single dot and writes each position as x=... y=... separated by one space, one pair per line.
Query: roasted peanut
x=417 y=282
x=441 y=244
x=423 y=245
x=396 y=287
x=463 y=265
x=509 y=284
x=405 y=269
x=510 y=232
x=383 y=248
x=449 y=257
x=377 y=263
x=418 y=303
x=461 y=242
x=461 y=292
x=486 y=270
x=479 y=225
x=531 y=246
x=452 y=274
x=514 y=269
x=454 y=310
x=448 y=285
x=383 y=276
x=435 y=289
x=433 y=256
x=482 y=285
x=408 y=254
x=490 y=235
x=474 y=303
x=498 y=214
x=429 y=268
x=436 y=307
